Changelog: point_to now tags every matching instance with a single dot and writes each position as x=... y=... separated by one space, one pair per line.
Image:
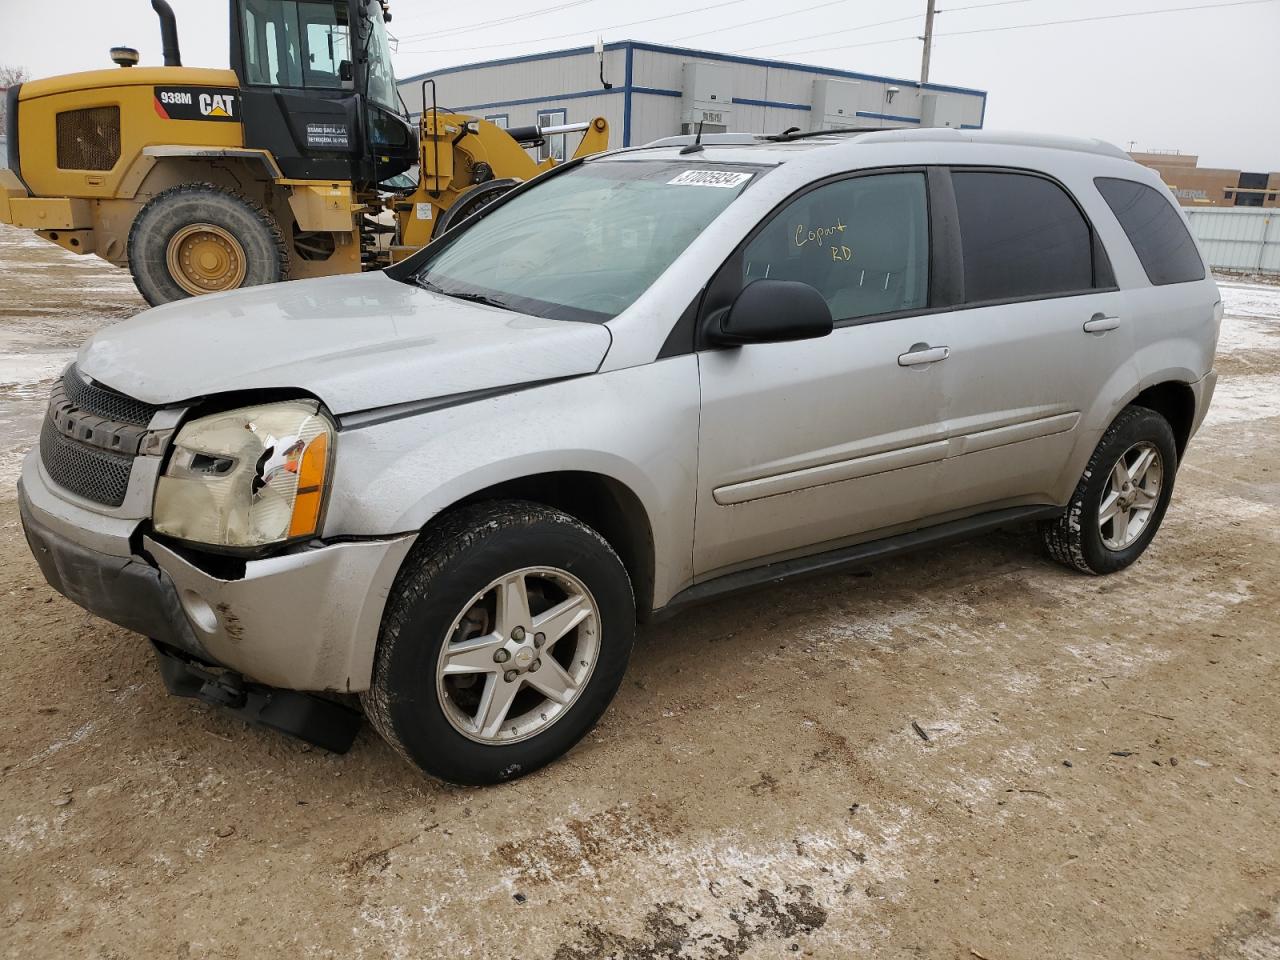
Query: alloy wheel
x=518 y=655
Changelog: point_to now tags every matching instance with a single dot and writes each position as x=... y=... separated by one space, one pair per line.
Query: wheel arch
x=1174 y=400
x=605 y=504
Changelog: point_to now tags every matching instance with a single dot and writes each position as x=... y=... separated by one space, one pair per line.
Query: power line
x=502 y=21
x=579 y=33
x=776 y=16
x=865 y=26
x=1025 y=26
x=827 y=33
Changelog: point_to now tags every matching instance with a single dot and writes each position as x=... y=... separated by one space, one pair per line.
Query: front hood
x=357 y=342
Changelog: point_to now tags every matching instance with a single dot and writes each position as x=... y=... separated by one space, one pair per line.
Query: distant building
x=657 y=91
x=1197 y=186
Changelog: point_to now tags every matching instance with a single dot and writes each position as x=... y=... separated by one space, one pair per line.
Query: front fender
x=638 y=427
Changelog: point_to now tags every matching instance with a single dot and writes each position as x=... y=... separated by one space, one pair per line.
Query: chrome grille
x=86 y=471
x=104 y=402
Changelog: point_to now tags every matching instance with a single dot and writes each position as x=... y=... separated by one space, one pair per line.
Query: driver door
x=805 y=444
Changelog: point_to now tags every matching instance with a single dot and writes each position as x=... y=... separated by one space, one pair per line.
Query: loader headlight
x=247 y=478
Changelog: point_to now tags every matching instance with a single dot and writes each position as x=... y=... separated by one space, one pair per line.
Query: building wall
x=1197 y=186
x=646 y=101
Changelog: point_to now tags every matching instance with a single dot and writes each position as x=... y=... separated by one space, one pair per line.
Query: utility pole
x=928 y=42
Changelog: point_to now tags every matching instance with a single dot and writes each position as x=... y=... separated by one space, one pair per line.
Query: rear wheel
x=1121 y=498
x=505 y=638
x=197 y=238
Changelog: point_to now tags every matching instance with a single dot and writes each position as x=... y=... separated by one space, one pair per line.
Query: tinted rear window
x=1158 y=235
x=1022 y=236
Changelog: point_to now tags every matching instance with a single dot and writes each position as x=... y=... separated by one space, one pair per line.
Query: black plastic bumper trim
x=127 y=591
x=307 y=716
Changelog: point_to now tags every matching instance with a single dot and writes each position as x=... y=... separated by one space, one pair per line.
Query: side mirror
x=345 y=73
x=767 y=311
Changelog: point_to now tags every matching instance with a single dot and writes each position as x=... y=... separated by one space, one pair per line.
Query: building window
x=1226 y=194
x=552 y=146
x=499 y=120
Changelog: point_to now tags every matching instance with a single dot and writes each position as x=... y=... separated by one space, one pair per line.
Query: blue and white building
x=647 y=91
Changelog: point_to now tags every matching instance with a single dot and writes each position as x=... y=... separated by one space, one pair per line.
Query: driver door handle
x=1101 y=323
x=923 y=353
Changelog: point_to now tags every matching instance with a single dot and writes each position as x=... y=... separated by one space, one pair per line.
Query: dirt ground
x=1100 y=777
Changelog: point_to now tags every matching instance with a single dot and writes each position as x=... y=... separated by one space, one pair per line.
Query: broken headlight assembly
x=247 y=478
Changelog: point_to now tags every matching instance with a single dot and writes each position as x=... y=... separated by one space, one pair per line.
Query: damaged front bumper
x=306 y=619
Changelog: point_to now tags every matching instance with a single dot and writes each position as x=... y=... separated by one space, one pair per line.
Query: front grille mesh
x=86 y=471
x=89 y=139
x=105 y=403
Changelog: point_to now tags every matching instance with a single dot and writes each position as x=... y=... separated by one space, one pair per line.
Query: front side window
x=586 y=243
x=552 y=147
x=863 y=243
x=1158 y=235
x=1021 y=236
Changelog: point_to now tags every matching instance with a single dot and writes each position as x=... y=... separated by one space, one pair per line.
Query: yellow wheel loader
x=203 y=180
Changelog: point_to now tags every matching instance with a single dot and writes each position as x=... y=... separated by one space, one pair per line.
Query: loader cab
x=318 y=90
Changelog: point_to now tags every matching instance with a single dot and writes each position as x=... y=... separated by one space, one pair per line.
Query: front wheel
x=1121 y=498
x=506 y=636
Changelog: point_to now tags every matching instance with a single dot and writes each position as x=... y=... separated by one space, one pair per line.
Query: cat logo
x=197 y=103
x=216 y=105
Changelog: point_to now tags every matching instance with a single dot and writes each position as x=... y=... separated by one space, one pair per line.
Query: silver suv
x=643 y=380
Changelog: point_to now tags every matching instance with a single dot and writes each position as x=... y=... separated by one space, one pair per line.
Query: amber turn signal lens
x=306 y=505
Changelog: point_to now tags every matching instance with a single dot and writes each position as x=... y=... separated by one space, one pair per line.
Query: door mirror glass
x=768 y=311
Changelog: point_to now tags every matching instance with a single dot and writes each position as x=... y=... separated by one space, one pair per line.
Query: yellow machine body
x=449 y=169
x=95 y=147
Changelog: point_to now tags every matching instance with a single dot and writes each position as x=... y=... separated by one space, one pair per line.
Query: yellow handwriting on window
x=818 y=235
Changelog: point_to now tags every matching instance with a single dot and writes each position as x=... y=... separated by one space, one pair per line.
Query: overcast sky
x=1202 y=81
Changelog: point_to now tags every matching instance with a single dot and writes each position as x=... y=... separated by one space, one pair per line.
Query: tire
x=423 y=712
x=1077 y=538
x=473 y=201
x=240 y=244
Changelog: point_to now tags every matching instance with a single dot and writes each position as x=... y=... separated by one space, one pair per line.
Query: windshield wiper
x=479 y=298
x=425 y=284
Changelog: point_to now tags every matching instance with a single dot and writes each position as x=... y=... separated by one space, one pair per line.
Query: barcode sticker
x=711 y=178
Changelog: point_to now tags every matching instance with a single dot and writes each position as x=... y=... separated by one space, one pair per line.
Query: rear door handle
x=1101 y=323
x=923 y=353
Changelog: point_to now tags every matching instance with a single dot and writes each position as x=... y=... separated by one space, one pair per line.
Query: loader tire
x=198 y=238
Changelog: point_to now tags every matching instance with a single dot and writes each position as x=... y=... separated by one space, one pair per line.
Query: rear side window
x=1021 y=236
x=1158 y=235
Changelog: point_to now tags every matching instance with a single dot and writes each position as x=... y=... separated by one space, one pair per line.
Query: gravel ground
x=1100 y=777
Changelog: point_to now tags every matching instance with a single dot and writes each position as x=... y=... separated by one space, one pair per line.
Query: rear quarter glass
x=1155 y=229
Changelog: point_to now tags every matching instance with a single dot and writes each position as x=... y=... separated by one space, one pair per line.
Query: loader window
x=295 y=43
x=586 y=243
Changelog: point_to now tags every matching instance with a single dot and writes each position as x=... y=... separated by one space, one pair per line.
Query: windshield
x=586 y=243
x=382 y=79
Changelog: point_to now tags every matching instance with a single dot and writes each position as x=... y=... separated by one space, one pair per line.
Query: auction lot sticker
x=711 y=178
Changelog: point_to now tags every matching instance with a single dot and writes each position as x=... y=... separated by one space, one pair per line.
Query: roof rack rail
x=793 y=134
